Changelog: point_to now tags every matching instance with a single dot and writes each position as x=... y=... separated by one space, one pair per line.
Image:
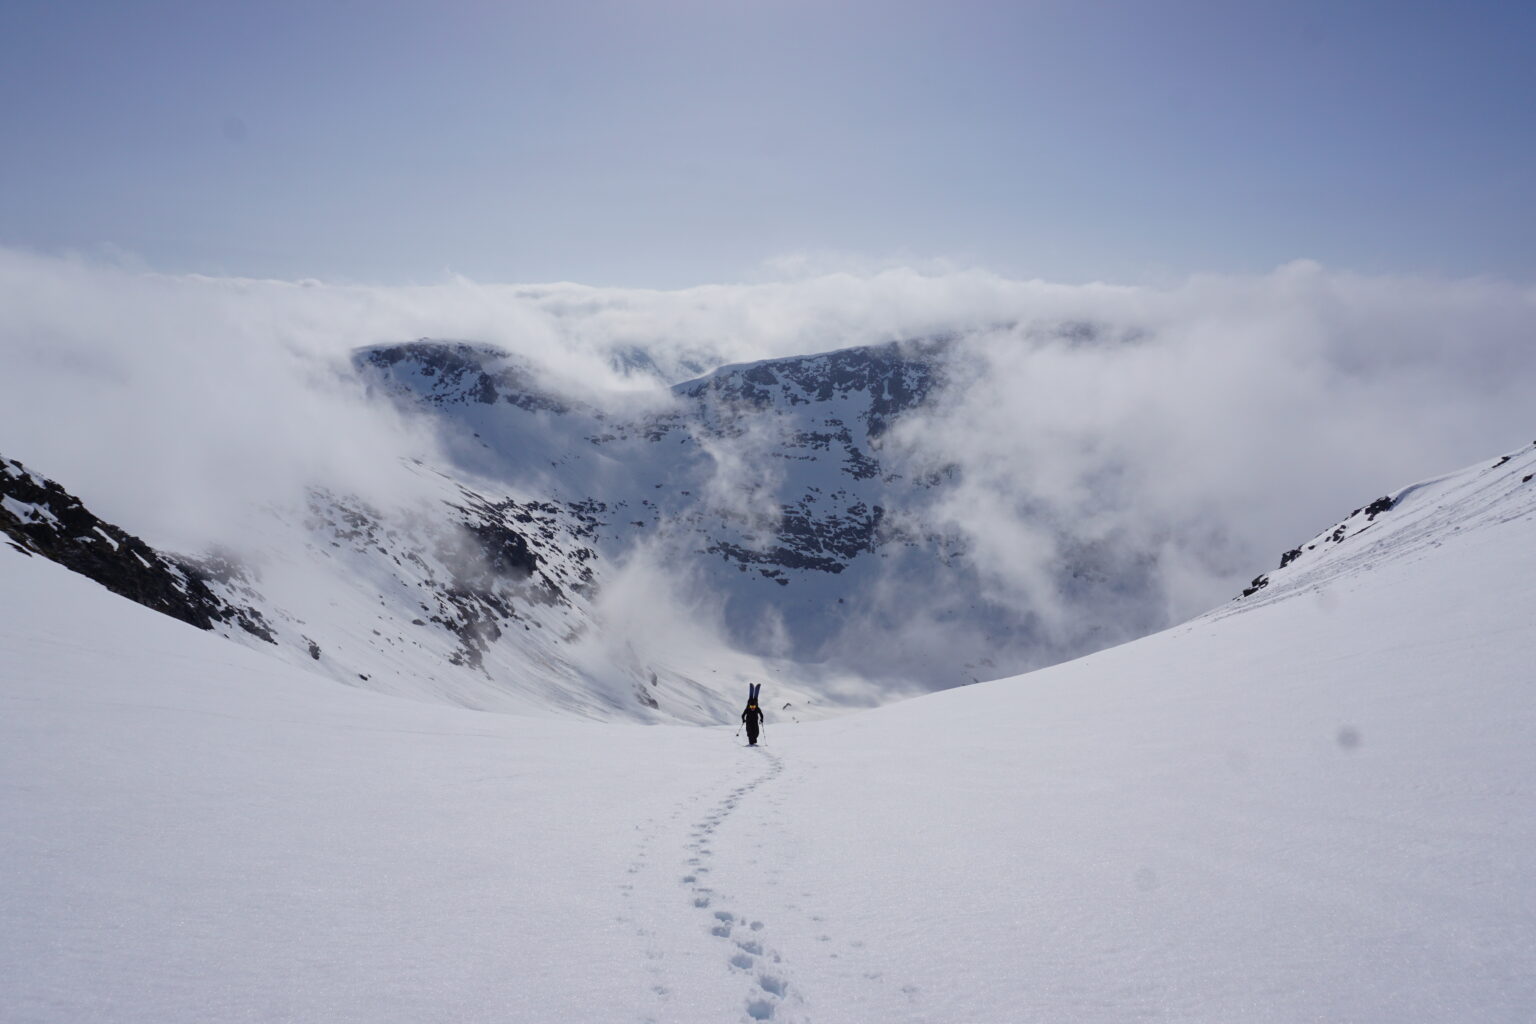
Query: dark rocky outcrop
x=1377 y=507
x=41 y=518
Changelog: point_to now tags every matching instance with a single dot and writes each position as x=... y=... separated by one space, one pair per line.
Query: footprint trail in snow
x=770 y=997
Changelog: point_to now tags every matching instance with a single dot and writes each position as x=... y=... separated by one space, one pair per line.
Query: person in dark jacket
x=752 y=717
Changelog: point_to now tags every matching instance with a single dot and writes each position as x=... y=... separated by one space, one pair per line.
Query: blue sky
x=663 y=144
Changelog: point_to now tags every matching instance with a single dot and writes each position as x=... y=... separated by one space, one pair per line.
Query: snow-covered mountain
x=781 y=489
x=1314 y=803
x=633 y=554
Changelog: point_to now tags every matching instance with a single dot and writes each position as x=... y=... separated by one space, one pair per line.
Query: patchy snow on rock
x=27 y=512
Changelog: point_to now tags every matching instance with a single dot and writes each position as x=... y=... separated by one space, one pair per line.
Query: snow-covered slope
x=1403 y=526
x=1316 y=803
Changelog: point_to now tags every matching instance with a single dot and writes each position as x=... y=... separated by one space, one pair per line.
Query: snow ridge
x=1402 y=525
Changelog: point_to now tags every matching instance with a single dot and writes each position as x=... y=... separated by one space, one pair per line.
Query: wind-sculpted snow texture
x=1315 y=803
x=775 y=488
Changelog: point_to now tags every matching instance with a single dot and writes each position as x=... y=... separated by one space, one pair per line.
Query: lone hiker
x=752 y=718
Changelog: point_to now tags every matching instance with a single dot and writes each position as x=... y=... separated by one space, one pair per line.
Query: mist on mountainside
x=1086 y=464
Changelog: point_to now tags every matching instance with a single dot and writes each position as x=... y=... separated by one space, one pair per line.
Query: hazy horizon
x=683 y=143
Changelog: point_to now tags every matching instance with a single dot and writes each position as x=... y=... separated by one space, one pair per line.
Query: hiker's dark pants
x=751 y=733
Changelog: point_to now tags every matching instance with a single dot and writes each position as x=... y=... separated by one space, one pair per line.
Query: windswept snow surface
x=1318 y=803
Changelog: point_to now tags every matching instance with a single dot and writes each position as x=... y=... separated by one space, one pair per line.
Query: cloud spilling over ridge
x=1213 y=425
x=1210 y=424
